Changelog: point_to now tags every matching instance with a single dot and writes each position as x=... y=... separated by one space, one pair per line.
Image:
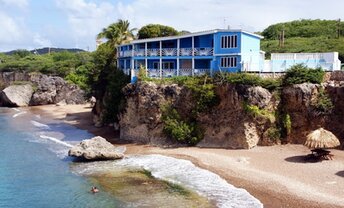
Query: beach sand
x=278 y=176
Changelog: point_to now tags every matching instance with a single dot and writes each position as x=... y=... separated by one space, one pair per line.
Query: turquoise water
x=32 y=171
x=35 y=171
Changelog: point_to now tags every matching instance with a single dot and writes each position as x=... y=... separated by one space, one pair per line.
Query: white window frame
x=229 y=41
x=229 y=62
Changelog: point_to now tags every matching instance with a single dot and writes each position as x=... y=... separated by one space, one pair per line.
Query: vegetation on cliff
x=299 y=74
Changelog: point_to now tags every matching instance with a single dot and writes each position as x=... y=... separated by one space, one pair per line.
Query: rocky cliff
x=226 y=125
x=300 y=102
x=244 y=117
x=38 y=89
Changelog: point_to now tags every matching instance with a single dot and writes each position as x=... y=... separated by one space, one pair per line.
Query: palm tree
x=117 y=33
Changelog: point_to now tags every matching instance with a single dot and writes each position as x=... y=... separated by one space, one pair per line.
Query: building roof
x=208 y=32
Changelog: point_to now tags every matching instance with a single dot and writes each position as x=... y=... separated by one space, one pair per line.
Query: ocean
x=35 y=171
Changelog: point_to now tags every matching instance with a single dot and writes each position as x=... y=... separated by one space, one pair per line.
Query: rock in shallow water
x=96 y=148
x=16 y=95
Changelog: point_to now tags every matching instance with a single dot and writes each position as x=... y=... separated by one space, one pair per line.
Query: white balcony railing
x=203 y=51
x=185 y=52
x=166 y=73
x=169 y=72
x=127 y=53
x=139 y=52
x=185 y=72
x=153 y=52
x=168 y=52
x=153 y=73
x=201 y=71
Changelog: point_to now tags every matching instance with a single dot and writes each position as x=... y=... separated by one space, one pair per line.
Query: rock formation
x=96 y=148
x=47 y=89
x=297 y=101
x=226 y=125
x=16 y=95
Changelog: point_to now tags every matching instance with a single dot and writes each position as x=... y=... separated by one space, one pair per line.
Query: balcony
x=166 y=73
x=168 y=52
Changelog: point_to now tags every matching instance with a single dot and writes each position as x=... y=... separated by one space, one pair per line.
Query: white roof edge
x=191 y=35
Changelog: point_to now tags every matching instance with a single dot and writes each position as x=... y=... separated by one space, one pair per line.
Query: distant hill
x=305 y=36
x=45 y=50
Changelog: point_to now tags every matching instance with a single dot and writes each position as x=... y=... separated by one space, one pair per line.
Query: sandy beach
x=278 y=176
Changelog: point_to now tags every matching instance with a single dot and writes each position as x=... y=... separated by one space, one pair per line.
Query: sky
x=30 y=24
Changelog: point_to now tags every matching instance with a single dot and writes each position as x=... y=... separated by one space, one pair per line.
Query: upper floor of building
x=208 y=43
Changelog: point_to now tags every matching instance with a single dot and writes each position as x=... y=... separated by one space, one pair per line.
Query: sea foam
x=56 y=140
x=184 y=173
x=39 y=125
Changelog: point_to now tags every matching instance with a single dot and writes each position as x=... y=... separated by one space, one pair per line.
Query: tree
x=117 y=33
x=156 y=30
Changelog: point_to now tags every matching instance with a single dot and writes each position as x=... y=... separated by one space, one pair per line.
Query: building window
x=228 y=62
x=168 y=65
x=229 y=41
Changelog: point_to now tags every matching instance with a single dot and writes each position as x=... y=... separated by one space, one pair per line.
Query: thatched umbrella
x=321 y=138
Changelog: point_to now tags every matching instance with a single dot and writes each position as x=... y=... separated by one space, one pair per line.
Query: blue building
x=193 y=54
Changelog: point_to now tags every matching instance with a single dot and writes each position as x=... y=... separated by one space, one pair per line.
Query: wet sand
x=278 y=176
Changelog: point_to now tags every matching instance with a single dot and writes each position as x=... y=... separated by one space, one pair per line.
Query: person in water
x=94 y=189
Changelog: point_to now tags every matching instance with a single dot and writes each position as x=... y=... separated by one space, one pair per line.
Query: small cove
x=36 y=172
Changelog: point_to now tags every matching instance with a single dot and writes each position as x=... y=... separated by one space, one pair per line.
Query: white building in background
x=280 y=62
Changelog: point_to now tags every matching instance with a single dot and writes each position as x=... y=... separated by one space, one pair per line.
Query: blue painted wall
x=204 y=41
x=217 y=65
x=219 y=50
x=186 y=42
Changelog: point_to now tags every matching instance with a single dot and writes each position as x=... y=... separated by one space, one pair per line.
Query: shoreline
x=274 y=175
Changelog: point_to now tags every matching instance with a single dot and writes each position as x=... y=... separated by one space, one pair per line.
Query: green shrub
x=142 y=73
x=273 y=133
x=248 y=79
x=286 y=120
x=300 y=73
x=203 y=94
x=256 y=112
x=322 y=105
x=114 y=99
x=243 y=78
x=175 y=127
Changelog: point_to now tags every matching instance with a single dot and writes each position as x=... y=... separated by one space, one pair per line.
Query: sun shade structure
x=321 y=138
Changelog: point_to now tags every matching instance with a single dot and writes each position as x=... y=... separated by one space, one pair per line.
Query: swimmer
x=94 y=189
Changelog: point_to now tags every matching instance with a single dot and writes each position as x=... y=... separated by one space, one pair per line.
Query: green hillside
x=305 y=36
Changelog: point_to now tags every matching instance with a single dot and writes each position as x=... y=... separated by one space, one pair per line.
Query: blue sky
x=29 y=24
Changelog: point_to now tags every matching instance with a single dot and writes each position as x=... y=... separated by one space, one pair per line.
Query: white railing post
x=178 y=48
x=146 y=61
x=160 y=61
x=193 y=55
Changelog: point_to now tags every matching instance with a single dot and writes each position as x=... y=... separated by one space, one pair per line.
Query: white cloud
x=10 y=31
x=17 y=3
x=41 y=41
x=87 y=19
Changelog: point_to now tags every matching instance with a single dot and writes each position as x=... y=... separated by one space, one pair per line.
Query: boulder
x=16 y=95
x=96 y=148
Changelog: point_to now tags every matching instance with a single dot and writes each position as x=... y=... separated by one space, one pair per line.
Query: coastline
x=274 y=175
